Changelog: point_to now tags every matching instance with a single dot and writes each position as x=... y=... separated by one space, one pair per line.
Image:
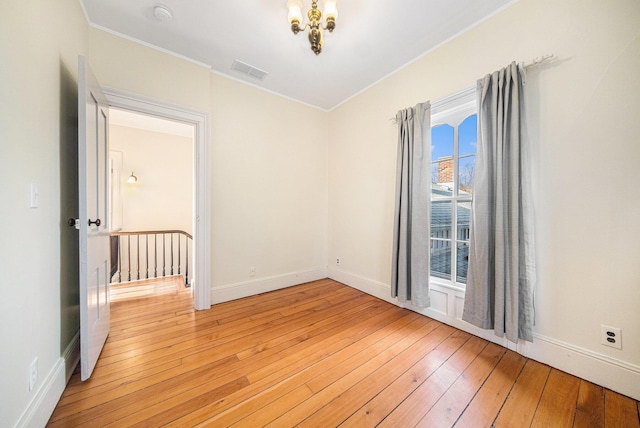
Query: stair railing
x=150 y=254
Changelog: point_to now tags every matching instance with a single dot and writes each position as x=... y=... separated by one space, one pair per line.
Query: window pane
x=466 y=171
x=441 y=219
x=444 y=190
x=462 y=262
x=442 y=154
x=441 y=259
x=463 y=213
x=468 y=136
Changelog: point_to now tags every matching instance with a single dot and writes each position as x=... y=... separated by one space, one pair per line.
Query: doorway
x=151 y=202
x=201 y=207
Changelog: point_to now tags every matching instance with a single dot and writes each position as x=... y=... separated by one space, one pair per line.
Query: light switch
x=34 y=196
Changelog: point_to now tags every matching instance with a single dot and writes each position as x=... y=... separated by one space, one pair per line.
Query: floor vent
x=243 y=68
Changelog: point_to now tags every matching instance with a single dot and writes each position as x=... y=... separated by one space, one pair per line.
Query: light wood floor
x=148 y=288
x=318 y=355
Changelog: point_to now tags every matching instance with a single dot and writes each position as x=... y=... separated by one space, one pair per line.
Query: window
x=453 y=158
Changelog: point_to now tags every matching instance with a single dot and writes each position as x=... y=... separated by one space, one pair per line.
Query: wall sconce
x=132 y=178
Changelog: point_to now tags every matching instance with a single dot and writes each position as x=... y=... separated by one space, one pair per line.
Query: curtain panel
x=410 y=266
x=501 y=275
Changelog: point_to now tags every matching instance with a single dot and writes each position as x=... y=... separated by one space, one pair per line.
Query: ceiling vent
x=249 y=70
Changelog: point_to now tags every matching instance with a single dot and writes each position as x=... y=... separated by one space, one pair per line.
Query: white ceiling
x=372 y=39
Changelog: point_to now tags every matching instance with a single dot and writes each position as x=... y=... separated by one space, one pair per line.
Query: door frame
x=202 y=228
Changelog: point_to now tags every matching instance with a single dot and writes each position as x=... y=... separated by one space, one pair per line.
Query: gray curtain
x=410 y=267
x=501 y=276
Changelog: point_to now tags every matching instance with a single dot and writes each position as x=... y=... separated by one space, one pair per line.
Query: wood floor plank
x=189 y=340
x=523 y=399
x=272 y=411
x=273 y=397
x=328 y=391
x=419 y=401
x=232 y=341
x=484 y=407
x=377 y=408
x=590 y=406
x=558 y=401
x=620 y=411
x=414 y=330
x=317 y=354
x=279 y=378
x=126 y=406
x=340 y=408
x=295 y=361
x=453 y=402
x=188 y=365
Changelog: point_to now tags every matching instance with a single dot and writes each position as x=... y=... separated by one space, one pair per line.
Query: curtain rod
x=533 y=62
x=536 y=61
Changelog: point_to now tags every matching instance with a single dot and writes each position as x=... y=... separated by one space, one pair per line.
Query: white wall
x=583 y=115
x=162 y=199
x=39 y=44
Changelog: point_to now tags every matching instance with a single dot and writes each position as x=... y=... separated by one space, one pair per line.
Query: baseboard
x=239 y=290
x=46 y=398
x=374 y=288
x=603 y=370
x=71 y=356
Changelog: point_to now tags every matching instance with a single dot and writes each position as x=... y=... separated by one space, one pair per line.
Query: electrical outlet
x=338 y=261
x=611 y=336
x=252 y=271
x=33 y=374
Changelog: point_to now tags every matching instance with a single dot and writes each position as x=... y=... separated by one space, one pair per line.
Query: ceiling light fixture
x=315 y=23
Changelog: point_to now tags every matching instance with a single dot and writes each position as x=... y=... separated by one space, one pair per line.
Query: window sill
x=446 y=284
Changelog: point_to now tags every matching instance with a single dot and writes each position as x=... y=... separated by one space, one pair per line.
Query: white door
x=93 y=119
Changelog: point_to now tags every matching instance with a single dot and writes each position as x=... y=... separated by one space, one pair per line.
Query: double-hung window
x=453 y=158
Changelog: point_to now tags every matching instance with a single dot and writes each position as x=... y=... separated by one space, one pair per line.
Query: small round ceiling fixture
x=162 y=13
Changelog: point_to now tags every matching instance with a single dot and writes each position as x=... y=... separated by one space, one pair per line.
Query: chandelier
x=315 y=24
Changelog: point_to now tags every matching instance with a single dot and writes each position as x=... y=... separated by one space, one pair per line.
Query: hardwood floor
x=147 y=288
x=318 y=355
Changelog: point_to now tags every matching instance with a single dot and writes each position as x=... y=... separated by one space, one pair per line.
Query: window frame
x=452 y=111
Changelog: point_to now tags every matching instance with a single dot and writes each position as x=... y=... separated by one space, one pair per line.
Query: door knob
x=97 y=222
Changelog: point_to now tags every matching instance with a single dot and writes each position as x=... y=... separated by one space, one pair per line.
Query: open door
x=93 y=158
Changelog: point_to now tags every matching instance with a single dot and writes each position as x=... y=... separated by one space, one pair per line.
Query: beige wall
x=127 y=66
x=268 y=171
x=162 y=199
x=39 y=44
x=269 y=178
x=583 y=111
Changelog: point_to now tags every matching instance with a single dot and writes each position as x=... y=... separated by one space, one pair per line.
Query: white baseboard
x=71 y=356
x=603 y=370
x=239 y=290
x=374 y=288
x=45 y=399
